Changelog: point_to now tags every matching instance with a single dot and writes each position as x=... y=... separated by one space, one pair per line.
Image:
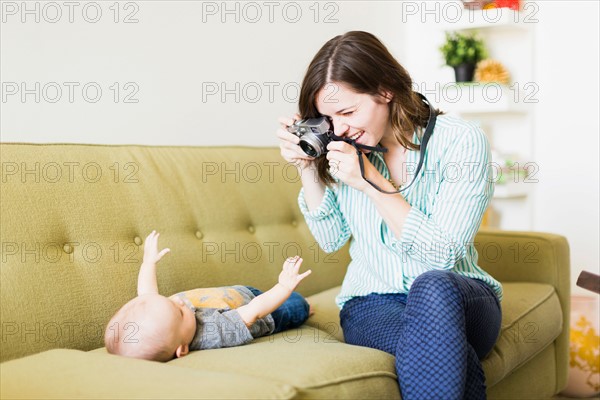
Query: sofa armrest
x=515 y=256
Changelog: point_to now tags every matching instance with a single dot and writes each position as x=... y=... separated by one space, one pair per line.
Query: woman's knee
x=435 y=286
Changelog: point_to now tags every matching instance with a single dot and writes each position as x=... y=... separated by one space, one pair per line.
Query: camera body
x=314 y=133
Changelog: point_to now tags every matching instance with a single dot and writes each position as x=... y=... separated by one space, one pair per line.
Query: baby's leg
x=292 y=313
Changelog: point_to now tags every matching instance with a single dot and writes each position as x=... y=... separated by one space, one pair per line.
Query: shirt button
x=294 y=223
x=137 y=240
x=67 y=248
x=199 y=235
x=251 y=229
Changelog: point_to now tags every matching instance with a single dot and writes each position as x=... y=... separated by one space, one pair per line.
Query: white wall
x=567 y=128
x=178 y=47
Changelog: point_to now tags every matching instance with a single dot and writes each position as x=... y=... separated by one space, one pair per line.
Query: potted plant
x=463 y=52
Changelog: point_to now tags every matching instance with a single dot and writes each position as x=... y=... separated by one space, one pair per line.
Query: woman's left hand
x=344 y=165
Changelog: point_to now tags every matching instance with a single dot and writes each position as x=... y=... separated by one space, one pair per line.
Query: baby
x=159 y=328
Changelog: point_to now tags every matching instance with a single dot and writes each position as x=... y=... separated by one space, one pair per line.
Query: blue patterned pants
x=291 y=314
x=438 y=333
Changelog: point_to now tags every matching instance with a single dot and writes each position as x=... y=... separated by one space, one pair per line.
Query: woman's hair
x=360 y=61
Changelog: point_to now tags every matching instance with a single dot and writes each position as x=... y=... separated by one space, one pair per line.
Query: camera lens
x=308 y=149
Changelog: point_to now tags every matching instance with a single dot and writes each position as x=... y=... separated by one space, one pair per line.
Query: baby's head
x=151 y=327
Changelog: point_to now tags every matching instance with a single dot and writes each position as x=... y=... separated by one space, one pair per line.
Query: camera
x=314 y=133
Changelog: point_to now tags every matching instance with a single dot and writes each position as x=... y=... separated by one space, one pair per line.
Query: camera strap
x=424 y=141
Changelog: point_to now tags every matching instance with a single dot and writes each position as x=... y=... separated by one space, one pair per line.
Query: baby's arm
x=266 y=303
x=147 y=276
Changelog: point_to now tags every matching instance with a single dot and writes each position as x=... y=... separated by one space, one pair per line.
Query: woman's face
x=358 y=116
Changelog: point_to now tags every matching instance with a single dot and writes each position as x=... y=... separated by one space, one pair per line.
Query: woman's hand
x=344 y=165
x=288 y=143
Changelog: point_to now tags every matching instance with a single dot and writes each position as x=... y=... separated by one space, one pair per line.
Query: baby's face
x=171 y=320
x=186 y=320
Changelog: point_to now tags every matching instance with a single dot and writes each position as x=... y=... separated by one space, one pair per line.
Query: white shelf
x=484 y=19
x=480 y=98
x=504 y=112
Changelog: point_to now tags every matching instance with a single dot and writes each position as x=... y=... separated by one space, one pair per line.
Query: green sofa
x=73 y=218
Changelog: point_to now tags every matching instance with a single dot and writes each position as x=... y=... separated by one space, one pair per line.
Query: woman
x=413 y=287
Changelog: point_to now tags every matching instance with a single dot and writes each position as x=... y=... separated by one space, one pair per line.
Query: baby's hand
x=289 y=277
x=151 y=254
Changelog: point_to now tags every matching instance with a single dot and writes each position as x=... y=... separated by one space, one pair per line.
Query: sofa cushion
x=327 y=313
x=531 y=320
x=73 y=228
x=317 y=365
x=74 y=374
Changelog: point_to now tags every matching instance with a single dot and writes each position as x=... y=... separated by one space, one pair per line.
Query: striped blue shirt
x=448 y=200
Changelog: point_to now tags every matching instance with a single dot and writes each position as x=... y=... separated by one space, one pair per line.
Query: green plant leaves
x=462 y=48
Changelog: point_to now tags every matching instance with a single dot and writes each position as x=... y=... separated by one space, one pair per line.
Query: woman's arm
x=393 y=208
x=326 y=222
x=317 y=202
x=314 y=188
x=442 y=237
